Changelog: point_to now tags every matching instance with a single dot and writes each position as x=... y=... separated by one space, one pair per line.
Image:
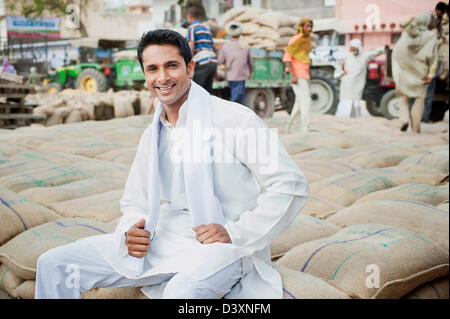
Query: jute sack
x=326 y=168
x=427 y=163
x=319 y=207
x=433 y=195
x=360 y=258
x=68 y=143
x=21 y=253
x=436 y=289
x=83 y=188
x=58 y=116
x=250 y=28
x=287 y=32
x=422 y=139
x=125 y=156
x=249 y=14
x=74 y=116
x=47 y=156
x=270 y=19
x=267 y=33
x=375 y=158
x=114 y=293
x=123 y=105
x=301 y=230
x=8 y=149
x=104 y=169
x=12 y=167
x=232 y=14
x=344 y=189
x=96 y=148
x=8 y=281
x=422 y=219
x=324 y=139
x=295 y=147
x=103 y=207
x=443 y=207
x=322 y=153
x=26 y=290
x=50 y=176
x=311 y=177
x=18 y=214
x=4 y=159
x=124 y=134
x=300 y=285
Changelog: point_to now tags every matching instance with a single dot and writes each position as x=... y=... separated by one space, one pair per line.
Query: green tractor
x=98 y=77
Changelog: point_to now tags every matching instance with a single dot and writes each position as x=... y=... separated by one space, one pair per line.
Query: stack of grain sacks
x=263 y=29
x=71 y=106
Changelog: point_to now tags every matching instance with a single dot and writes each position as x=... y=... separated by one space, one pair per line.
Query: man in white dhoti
x=354 y=79
x=211 y=237
x=414 y=61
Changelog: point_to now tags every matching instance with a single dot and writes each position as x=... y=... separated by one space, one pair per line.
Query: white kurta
x=253 y=217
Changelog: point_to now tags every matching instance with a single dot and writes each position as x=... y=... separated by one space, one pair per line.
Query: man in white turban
x=414 y=60
x=354 y=79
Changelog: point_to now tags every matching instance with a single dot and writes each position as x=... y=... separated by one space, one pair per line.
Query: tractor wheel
x=53 y=88
x=390 y=105
x=261 y=101
x=324 y=90
x=91 y=80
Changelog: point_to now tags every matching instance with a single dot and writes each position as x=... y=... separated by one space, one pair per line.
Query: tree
x=36 y=8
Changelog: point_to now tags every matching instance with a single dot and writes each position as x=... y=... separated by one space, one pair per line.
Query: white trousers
x=415 y=115
x=349 y=108
x=302 y=105
x=66 y=271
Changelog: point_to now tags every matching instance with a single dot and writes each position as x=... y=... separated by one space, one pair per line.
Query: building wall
x=376 y=13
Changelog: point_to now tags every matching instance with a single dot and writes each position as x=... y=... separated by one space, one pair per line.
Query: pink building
x=378 y=22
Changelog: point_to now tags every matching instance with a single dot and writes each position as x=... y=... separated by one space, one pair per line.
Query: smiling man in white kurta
x=211 y=237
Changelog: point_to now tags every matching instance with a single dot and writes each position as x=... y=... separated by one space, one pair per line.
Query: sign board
x=23 y=27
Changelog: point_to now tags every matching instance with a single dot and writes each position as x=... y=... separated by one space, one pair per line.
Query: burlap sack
x=51 y=176
x=345 y=189
x=103 y=207
x=250 y=28
x=294 y=146
x=12 y=167
x=300 y=285
x=46 y=156
x=8 y=149
x=74 y=116
x=26 y=290
x=325 y=168
x=8 y=281
x=68 y=143
x=125 y=156
x=104 y=169
x=433 y=195
x=21 y=253
x=124 y=134
x=83 y=188
x=123 y=105
x=267 y=33
x=319 y=207
x=371 y=260
x=96 y=148
x=311 y=177
x=114 y=293
x=231 y=14
x=249 y=14
x=422 y=219
x=287 y=32
x=427 y=163
x=301 y=230
x=270 y=19
x=422 y=139
x=18 y=214
x=374 y=158
x=436 y=289
x=322 y=153
x=58 y=116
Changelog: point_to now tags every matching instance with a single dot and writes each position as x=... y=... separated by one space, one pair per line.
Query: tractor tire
x=390 y=105
x=53 y=88
x=324 y=90
x=261 y=101
x=91 y=80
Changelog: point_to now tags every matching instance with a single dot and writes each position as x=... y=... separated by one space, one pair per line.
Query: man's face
x=439 y=13
x=354 y=50
x=167 y=76
x=189 y=18
x=307 y=27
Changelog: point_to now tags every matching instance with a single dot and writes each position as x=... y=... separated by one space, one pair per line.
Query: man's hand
x=212 y=233
x=138 y=240
x=293 y=79
x=427 y=79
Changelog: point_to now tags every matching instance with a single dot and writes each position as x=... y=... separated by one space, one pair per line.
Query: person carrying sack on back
x=414 y=61
x=296 y=58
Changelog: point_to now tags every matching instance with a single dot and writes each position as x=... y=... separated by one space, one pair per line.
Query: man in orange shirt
x=296 y=58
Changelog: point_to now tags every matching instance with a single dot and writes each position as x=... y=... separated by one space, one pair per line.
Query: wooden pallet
x=16 y=115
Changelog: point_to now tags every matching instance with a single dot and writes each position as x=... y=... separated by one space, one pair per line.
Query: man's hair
x=441 y=6
x=163 y=36
x=193 y=12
